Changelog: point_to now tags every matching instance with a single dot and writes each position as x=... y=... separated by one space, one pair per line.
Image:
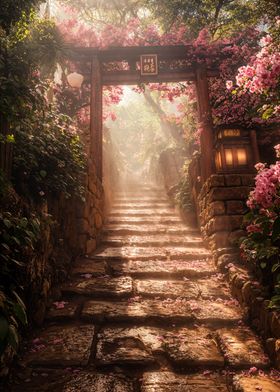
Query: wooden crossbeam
x=134 y=77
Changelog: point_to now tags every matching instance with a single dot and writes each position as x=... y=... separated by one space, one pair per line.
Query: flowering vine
x=262 y=244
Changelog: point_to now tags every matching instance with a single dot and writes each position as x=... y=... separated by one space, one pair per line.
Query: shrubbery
x=262 y=244
x=49 y=158
x=18 y=236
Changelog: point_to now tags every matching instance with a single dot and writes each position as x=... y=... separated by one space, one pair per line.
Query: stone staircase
x=147 y=312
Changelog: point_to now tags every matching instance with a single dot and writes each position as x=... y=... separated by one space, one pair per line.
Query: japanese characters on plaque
x=149 y=64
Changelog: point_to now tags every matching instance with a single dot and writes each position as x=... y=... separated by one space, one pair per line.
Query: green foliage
x=12 y=10
x=48 y=157
x=220 y=17
x=261 y=247
x=28 y=48
x=183 y=196
x=18 y=236
x=103 y=12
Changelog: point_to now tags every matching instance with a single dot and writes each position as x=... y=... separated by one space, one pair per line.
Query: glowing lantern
x=75 y=80
x=234 y=151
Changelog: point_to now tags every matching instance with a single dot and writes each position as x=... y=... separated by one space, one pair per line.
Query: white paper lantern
x=75 y=80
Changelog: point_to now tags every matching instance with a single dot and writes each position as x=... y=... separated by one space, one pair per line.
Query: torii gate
x=172 y=66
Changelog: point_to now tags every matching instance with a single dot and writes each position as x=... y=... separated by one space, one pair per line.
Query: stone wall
x=73 y=229
x=221 y=206
x=90 y=214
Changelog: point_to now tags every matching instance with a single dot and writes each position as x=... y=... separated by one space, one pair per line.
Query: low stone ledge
x=252 y=296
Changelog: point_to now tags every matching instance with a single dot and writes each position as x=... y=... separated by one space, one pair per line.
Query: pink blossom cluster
x=266 y=193
x=261 y=77
x=263 y=74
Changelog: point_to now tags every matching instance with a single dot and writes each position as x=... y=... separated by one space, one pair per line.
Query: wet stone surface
x=242 y=348
x=64 y=345
x=103 y=286
x=170 y=382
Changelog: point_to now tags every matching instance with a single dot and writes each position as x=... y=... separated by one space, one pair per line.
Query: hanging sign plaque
x=149 y=64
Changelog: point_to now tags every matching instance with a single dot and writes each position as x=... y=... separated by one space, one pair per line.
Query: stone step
x=120 y=287
x=252 y=383
x=170 y=382
x=167 y=212
x=164 y=269
x=242 y=348
x=141 y=205
x=140 y=195
x=71 y=380
x=145 y=220
x=152 y=253
x=159 y=229
x=149 y=269
x=150 y=200
x=200 y=289
x=61 y=346
x=152 y=240
x=169 y=312
x=140 y=346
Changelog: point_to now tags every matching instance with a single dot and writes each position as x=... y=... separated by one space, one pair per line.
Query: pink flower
x=259 y=166
x=254 y=228
x=253 y=370
x=87 y=276
x=229 y=84
x=60 y=305
x=277 y=149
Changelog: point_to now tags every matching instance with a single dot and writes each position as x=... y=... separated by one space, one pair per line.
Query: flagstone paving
x=146 y=312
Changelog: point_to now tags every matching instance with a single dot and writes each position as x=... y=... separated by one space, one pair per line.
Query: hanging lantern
x=233 y=150
x=75 y=80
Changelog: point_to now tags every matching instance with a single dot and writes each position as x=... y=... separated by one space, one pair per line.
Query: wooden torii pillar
x=205 y=123
x=96 y=116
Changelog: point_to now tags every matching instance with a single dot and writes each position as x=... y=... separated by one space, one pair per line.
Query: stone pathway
x=148 y=312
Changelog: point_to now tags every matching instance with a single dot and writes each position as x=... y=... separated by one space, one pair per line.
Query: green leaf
x=4 y=328
x=276 y=230
x=263 y=265
x=275 y=267
x=13 y=338
x=43 y=173
x=7 y=223
x=19 y=300
x=20 y=314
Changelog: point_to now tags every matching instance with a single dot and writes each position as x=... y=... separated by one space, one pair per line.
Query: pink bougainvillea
x=266 y=193
x=261 y=78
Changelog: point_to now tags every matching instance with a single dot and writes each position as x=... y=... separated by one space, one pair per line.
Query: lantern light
x=75 y=80
x=233 y=150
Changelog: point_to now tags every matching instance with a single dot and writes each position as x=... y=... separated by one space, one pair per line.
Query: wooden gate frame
x=101 y=76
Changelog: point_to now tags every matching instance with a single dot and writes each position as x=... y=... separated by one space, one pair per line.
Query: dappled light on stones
x=144 y=316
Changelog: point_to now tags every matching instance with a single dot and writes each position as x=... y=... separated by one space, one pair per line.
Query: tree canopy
x=12 y=10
